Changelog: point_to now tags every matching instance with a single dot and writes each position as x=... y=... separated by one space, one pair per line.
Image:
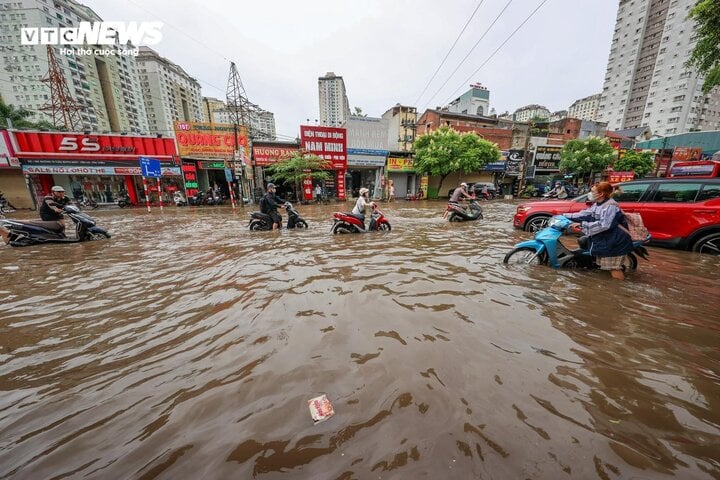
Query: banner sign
x=264 y=156
x=400 y=164
x=79 y=146
x=367 y=151
x=365 y=161
x=686 y=154
x=91 y=170
x=617 y=177
x=494 y=167
x=547 y=159
x=514 y=160
x=329 y=143
x=189 y=174
x=209 y=140
x=212 y=165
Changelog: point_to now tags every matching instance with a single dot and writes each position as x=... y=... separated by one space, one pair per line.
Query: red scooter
x=348 y=223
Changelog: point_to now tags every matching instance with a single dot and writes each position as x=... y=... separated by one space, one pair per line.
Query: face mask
x=591 y=197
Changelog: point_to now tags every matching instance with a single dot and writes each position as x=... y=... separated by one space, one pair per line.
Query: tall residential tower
x=334 y=105
x=106 y=86
x=646 y=82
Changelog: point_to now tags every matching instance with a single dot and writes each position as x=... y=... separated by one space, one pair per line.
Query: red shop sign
x=264 y=156
x=329 y=143
x=78 y=145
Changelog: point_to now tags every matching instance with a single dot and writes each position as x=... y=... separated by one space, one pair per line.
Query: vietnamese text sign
x=209 y=140
x=150 y=167
x=265 y=156
x=400 y=164
x=547 y=159
x=328 y=143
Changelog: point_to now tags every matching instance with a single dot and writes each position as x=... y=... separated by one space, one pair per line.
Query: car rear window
x=631 y=192
x=676 y=192
x=709 y=191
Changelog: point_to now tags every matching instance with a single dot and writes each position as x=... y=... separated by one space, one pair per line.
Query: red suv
x=679 y=213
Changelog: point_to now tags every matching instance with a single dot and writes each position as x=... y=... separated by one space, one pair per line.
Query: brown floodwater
x=188 y=347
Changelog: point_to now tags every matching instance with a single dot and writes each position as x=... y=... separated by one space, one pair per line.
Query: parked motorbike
x=123 y=200
x=179 y=199
x=349 y=223
x=32 y=232
x=263 y=221
x=547 y=249
x=456 y=213
x=86 y=202
x=197 y=199
x=5 y=206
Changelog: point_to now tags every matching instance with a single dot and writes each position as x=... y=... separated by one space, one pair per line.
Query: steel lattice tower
x=237 y=101
x=62 y=107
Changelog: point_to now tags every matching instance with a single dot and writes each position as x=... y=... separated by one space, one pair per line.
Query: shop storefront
x=401 y=173
x=367 y=151
x=329 y=143
x=207 y=149
x=265 y=154
x=12 y=181
x=99 y=167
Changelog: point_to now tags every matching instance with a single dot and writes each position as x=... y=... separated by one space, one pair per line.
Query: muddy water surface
x=187 y=347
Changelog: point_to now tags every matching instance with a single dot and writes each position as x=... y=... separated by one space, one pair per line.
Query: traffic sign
x=150 y=167
x=228 y=174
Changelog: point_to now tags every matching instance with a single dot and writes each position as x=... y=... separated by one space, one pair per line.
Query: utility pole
x=64 y=110
x=240 y=111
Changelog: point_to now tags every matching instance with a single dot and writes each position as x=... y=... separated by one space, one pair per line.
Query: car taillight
x=522 y=208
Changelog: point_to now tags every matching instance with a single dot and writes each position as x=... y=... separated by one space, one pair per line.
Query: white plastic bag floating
x=320 y=408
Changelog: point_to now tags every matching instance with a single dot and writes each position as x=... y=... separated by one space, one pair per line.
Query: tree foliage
x=706 y=53
x=359 y=112
x=296 y=168
x=19 y=118
x=583 y=157
x=445 y=151
x=641 y=163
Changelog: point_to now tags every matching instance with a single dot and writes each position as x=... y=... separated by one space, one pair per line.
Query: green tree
x=706 y=54
x=641 y=163
x=445 y=151
x=359 y=112
x=293 y=170
x=19 y=118
x=583 y=157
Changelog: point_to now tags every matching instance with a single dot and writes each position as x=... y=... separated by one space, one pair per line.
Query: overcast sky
x=386 y=50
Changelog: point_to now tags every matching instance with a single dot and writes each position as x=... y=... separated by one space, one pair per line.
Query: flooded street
x=188 y=347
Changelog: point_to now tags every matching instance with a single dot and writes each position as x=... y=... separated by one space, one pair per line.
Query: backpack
x=636 y=228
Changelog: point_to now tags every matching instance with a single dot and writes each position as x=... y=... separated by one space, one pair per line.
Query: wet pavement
x=187 y=347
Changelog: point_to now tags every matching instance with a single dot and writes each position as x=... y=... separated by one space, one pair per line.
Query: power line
x=471 y=50
x=497 y=49
x=448 y=53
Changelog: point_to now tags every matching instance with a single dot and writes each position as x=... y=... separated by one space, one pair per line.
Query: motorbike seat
x=260 y=215
x=52 y=225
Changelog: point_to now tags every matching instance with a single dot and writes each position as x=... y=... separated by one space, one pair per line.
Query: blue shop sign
x=494 y=167
x=367 y=151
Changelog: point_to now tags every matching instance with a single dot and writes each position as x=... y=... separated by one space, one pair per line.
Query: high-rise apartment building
x=106 y=87
x=334 y=105
x=646 y=82
x=524 y=114
x=262 y=122
x=585 y=108
x=170 y=93
x=475 y=101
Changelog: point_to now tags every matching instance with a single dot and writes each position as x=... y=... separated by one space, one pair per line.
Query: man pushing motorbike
x=269 y=205
x=51 y=208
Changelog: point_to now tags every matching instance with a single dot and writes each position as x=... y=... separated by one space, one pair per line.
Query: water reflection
x=187 y=346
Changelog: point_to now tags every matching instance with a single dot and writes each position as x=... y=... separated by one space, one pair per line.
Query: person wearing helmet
x=459 y=193
x=269 y=205
x=363 y=202
x=51 y=208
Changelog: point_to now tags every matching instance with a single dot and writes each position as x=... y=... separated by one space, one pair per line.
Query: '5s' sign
x=70 y=144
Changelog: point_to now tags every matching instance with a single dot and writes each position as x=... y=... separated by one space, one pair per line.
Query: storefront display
x=100 y=167
x=329 y=143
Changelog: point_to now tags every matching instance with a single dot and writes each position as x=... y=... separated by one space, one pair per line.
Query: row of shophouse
x=366 y=152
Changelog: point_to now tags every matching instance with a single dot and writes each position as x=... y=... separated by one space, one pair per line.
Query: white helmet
x=363 y=191
x=57 y=188
x=463 y=184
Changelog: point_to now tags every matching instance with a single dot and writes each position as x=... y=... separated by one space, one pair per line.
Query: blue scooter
x=547 y=249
